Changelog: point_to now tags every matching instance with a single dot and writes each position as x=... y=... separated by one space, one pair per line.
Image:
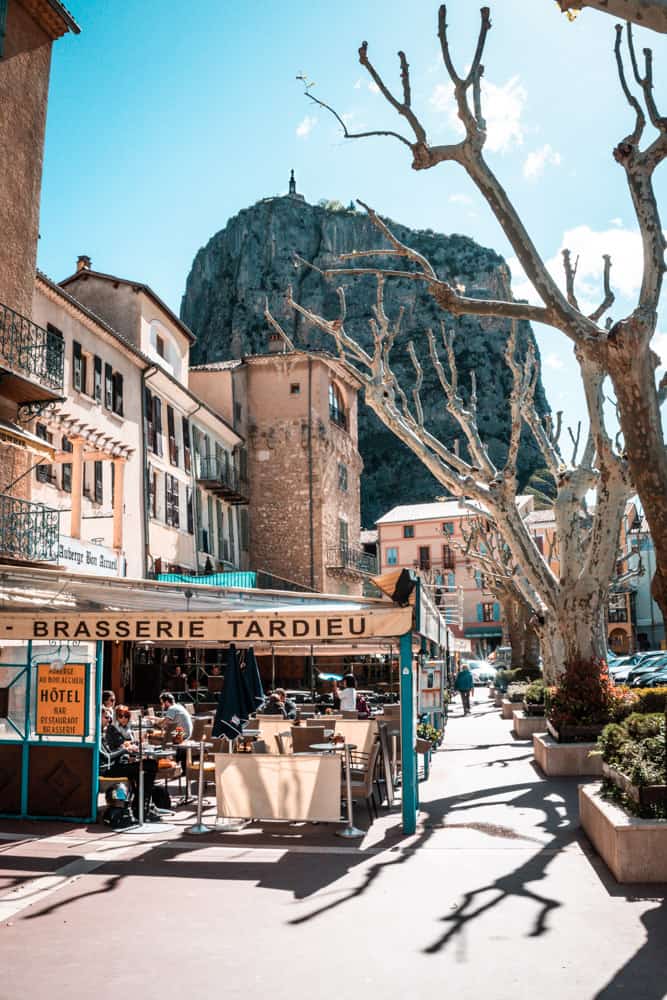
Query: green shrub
x=516 y=692
x=535 y=693
x=649 y=700
x=503 y=679
x=636 y=748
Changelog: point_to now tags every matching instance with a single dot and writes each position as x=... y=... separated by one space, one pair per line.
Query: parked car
x=482 y=671
x=658 y=679
x=647 y=664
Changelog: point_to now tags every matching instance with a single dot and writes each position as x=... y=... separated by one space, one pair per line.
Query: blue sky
x=166 y=119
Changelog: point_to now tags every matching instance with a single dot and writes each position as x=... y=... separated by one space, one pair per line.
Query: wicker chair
x=362 y=775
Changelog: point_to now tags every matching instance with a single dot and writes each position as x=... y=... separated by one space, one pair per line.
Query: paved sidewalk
x=499 y=895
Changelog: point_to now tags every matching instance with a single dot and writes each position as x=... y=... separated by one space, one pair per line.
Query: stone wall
x=24 y=82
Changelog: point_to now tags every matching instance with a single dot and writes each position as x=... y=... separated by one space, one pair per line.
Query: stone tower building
x=298 y=413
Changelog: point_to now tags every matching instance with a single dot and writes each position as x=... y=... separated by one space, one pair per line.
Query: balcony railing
x=343 y=557
x=28 y=530
x=223 y=479
x=245 y=579
x=30 y=351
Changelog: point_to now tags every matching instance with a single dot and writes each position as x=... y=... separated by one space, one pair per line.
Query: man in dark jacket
x=464 y=683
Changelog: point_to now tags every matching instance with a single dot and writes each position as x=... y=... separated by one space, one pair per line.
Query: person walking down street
x=464 y=683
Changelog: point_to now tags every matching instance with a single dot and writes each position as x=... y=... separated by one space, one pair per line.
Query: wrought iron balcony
x=32 y=359
x=222 y=479
x=342 y=557
x=28 y=530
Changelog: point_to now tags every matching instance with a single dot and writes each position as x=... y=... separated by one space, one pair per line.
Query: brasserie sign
x=212 y=626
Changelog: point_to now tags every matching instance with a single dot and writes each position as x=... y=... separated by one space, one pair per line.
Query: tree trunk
x=633 y=375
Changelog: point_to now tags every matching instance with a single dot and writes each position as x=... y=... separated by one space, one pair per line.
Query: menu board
x=61 y=699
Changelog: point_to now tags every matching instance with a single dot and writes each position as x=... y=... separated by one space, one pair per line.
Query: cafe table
x=350 y=830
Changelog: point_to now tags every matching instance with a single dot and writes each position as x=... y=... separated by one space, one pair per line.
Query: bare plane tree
x=620 y=349
x=646 y=13
x=570 y=607
x=483 y=547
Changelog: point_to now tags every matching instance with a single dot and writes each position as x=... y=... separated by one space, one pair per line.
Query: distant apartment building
x=31 y=361
x=298 y=411
x=430 y=538
x=188 y=517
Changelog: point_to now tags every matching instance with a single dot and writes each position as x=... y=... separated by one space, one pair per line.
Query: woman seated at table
x=119 y=745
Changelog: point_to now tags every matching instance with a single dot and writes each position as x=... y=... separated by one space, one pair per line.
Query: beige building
x=31 y=362
x=298 y=411
x=190 y=521
x=96 y=480
x=429 y=537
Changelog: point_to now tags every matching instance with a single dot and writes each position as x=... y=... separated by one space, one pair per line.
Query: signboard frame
x=46 y=672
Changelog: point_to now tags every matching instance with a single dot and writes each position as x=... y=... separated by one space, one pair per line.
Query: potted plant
x=516 y=693
x=533 y=700
x=582 y=703
x=428 y=733
x=634 y=762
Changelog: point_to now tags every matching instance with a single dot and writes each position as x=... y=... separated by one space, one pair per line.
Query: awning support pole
x=408 y=737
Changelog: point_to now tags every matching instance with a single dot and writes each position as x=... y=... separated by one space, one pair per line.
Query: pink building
x=429 y=538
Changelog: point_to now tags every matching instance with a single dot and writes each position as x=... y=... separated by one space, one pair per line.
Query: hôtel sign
x=210 y=626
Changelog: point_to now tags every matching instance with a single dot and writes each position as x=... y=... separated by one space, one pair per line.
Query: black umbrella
x=253 y=680
x=234 y=704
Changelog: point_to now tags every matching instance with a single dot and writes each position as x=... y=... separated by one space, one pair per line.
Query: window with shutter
x=97 y=380
x=98 y=494
x=186 y=444
x=488 y=612
x=113 y=483
x=77 y=367
x=424 y=557
x=496 y=611
x=108 y=387
x=189 y=510
x=66 y=467
x=152 y=499
x=245 y=532
x=172 y=505
x=42 y=472
x=117 y=393
x=448 y=557
x=211 y=529
x=171 y=434
x=157 y=425
x=480 y=612
x=148 y=418
x=451 y=581
x=221 y=530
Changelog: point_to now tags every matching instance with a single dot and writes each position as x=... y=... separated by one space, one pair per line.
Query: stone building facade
x=31 y=363
x=299 y=410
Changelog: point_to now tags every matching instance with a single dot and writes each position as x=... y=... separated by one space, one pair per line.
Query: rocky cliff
x=252 y=258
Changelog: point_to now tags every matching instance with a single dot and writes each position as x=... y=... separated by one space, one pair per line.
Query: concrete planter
x=643 y=795
x=525 y=725
x=508 y=707
x=634 y=850
x=575 y=734
x=565 y=759
x=536 y=710
x=498 y=700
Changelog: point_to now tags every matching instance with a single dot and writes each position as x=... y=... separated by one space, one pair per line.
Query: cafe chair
x=350 y=715
x=259 y=746
x=362 y=777
x=303 y=738
x=283 y=741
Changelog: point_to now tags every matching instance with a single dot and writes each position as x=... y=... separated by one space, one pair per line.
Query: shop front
x=53 y=634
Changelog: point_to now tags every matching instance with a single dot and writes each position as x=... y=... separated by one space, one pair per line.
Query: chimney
x=83 y=262
x=276 y=343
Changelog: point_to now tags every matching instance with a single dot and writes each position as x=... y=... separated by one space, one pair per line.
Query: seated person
x=174 y=715
x=108 y=705
x=117 y=748
x=274 y=706
x=289 y=706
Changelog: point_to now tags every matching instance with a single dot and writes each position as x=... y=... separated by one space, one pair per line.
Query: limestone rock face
x=252 y=258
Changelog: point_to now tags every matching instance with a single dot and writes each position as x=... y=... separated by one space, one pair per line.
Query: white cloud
x=460 y=199
x=502 y=107
x=589 y=246
x=357 y=85
x=616 y=222
x=373 y=87
x=538 y=160
x=553 y=361
x=306 y=126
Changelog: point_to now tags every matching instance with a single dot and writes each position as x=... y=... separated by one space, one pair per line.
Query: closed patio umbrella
x=253 y=680
x=235 y=703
